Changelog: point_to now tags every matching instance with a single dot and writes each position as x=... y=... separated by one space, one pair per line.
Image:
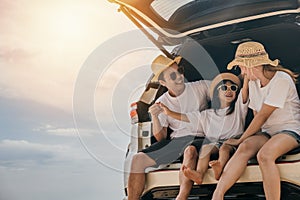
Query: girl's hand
x=165 y=109
x=155 y=109
x=233 y=142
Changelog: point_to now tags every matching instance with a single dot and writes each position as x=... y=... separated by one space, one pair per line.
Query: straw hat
x=160 y=63
x=221 y=77
x=251 y=54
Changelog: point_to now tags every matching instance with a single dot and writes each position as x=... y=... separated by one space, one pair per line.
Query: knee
x=264 y=156
x=141 y=161
x=190 y=152
x=245 y=148
x=226 y=148
x=137 y=158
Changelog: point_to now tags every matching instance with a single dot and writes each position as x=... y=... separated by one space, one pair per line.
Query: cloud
x=22 y=154
x=10 y=55
x=63 y=131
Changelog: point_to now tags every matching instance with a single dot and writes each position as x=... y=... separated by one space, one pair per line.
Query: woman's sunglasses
x=173 y=75
x=224 y=87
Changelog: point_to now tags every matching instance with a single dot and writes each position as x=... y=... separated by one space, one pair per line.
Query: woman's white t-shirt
x=280 y=92
x=219 y=126
x=195 y=97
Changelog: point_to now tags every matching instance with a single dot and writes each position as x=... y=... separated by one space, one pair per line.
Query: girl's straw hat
x=160 y=63
x=221 y=77
x=251 y=54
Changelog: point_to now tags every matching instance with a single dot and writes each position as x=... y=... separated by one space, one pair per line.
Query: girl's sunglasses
x=173 y=75
x=224 y=87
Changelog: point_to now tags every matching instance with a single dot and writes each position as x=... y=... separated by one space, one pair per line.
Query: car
x=206 y=33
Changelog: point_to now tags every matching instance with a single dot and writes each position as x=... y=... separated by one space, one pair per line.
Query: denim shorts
x=291 y=133
x=267 y=135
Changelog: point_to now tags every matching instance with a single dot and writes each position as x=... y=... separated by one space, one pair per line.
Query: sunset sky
x=69 y=71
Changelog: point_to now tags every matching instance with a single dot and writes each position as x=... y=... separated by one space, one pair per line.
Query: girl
x=224 y=120
x=275 y=127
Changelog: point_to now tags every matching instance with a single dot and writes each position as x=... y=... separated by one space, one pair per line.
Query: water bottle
x=133 y=113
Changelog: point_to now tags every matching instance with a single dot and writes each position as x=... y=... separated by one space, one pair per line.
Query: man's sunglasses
x=173 y=75
x=224 y=87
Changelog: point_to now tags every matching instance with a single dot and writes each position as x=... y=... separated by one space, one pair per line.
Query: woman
x=275 y=128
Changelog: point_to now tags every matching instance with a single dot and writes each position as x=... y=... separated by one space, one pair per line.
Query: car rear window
x=166 y=8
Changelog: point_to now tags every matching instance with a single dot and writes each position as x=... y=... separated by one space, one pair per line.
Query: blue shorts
x=287 y=132
x=291 y=133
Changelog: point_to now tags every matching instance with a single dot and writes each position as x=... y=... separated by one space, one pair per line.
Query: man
x=181 y=97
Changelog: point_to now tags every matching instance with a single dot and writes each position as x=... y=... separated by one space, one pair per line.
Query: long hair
x=271 y=68
x=216 y=103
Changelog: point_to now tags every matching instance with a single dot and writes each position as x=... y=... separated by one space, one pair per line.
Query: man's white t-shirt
x=280 y=92
x=219 y=126
x=195 y=97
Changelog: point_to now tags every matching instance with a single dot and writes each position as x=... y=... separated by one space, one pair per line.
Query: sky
x=69 y=70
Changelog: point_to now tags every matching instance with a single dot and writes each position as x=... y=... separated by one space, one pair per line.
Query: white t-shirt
x=280 y=92
x=195 y=97
x=219 y=126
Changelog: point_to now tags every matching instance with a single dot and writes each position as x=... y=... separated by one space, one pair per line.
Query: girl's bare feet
x=217 y=168
x=192 y=175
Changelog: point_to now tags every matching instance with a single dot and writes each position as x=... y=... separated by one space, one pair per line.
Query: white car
x=206 y=33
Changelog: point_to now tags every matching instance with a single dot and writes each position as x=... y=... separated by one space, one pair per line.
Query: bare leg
x=218 y=165
x=189 y=160
x=136 y=181
x=202 y=165
x=275 y=147
x=237 y=164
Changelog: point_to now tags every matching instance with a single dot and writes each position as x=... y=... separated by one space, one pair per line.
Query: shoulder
x=163 y=97
x=282 y=78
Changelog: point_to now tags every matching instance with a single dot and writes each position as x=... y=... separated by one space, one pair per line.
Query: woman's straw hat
x=221 y=77
x=160 y=63
x=251 y=54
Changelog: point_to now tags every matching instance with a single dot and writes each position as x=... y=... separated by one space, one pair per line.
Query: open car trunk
x=206 y=34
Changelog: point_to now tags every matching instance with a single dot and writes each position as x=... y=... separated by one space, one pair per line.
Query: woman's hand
x=233 y=142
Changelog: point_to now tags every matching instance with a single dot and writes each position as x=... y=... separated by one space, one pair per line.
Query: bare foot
x=193 y=175
x=217 y=168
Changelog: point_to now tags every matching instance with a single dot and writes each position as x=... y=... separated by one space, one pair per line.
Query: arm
x=159 y=132
x=259 y=119
x=245 y=90
x=175 y=115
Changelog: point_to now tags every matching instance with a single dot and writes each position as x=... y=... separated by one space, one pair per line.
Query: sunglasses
x=173 y=75
x=224 y=87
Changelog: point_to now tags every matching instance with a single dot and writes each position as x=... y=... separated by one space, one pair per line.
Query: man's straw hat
x=160 y=63
x=251 y=54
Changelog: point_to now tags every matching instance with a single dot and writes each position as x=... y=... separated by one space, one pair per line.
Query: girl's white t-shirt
x=219 y=126
x=280 y=92
x=195 y=97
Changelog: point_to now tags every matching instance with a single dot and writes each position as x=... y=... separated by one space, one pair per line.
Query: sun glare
x=69 y=23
